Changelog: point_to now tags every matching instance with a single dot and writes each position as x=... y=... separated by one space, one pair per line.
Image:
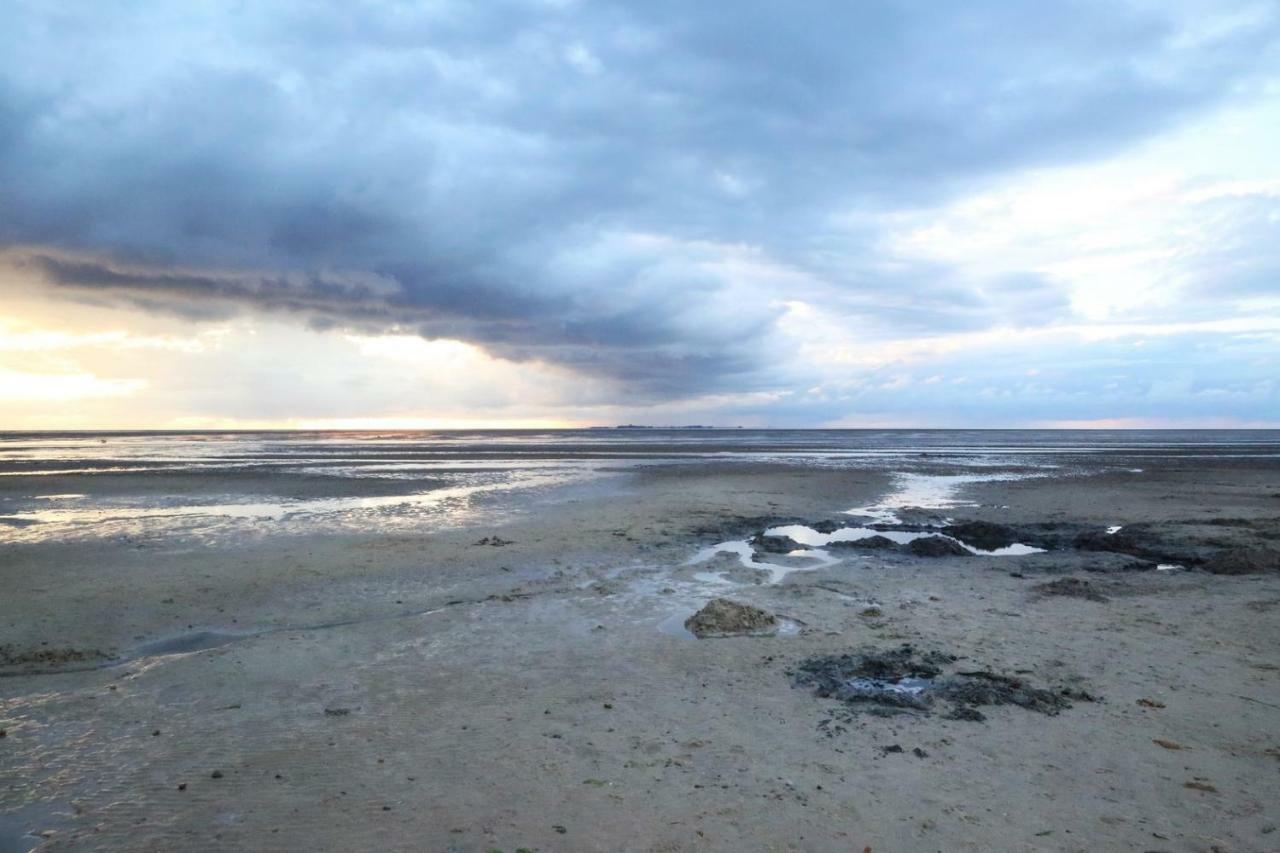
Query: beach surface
x=1042 y=641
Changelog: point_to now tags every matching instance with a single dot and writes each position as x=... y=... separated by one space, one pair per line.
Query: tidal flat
x=477 y=641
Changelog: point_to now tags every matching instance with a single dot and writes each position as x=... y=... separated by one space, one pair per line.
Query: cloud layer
x=645 y=193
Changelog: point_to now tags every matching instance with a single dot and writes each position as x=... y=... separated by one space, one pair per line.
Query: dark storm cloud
x=495 y=171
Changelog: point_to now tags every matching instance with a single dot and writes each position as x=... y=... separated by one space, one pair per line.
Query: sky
x=373 y=213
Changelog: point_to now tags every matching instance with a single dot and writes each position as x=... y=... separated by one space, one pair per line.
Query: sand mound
x=724 y=618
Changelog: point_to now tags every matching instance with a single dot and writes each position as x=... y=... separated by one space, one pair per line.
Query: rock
x=871 y=543
x=982 y=534
x=775 y=544
x=936 y=546
x=217 y=774
x=1244 y=561
x=825 y=527
x=723 y=618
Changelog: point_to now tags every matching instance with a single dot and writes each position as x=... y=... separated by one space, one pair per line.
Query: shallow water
x=77 y=485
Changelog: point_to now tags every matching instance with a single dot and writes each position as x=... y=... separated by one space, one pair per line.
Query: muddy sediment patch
x=870 y=543
x=983 y=535
x=19 y=661
x=770 y=544
x=1069 y=588
x=1244 y=561
x=905 y=680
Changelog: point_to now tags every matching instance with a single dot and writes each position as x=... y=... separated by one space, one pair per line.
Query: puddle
x=713 y=578
x=808 y=536
x=187 y=643
x=747 y=557
x=199 y=641
x=673 y=626
x=1114 y=529
x=820 y=558
x=20 y=831
x=1168 y=567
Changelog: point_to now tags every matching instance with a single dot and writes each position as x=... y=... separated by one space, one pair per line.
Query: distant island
x=642 y=426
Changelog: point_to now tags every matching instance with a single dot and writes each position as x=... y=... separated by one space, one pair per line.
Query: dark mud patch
x=1122 y=566
x=1244 y=561
x=983 y=535
x=937 y=546
x=907 y=681
x=724 y=618
x=54 y=661
x=869 y=543
x=20 y=661
x=1069 y=588
x=776 y=544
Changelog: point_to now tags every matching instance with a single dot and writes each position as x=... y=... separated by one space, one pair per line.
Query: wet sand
x=419 y=690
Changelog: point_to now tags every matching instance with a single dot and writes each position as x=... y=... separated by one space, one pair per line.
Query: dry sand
x=425 y=692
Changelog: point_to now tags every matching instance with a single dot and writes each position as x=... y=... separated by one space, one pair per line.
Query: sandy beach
x=1094 y=668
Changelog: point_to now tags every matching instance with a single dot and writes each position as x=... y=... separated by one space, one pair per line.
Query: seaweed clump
x=907 y=681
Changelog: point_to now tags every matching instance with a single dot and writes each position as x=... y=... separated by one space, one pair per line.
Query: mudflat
x=1077 y=654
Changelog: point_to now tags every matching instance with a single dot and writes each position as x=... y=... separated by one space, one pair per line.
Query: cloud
x=632 y=191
